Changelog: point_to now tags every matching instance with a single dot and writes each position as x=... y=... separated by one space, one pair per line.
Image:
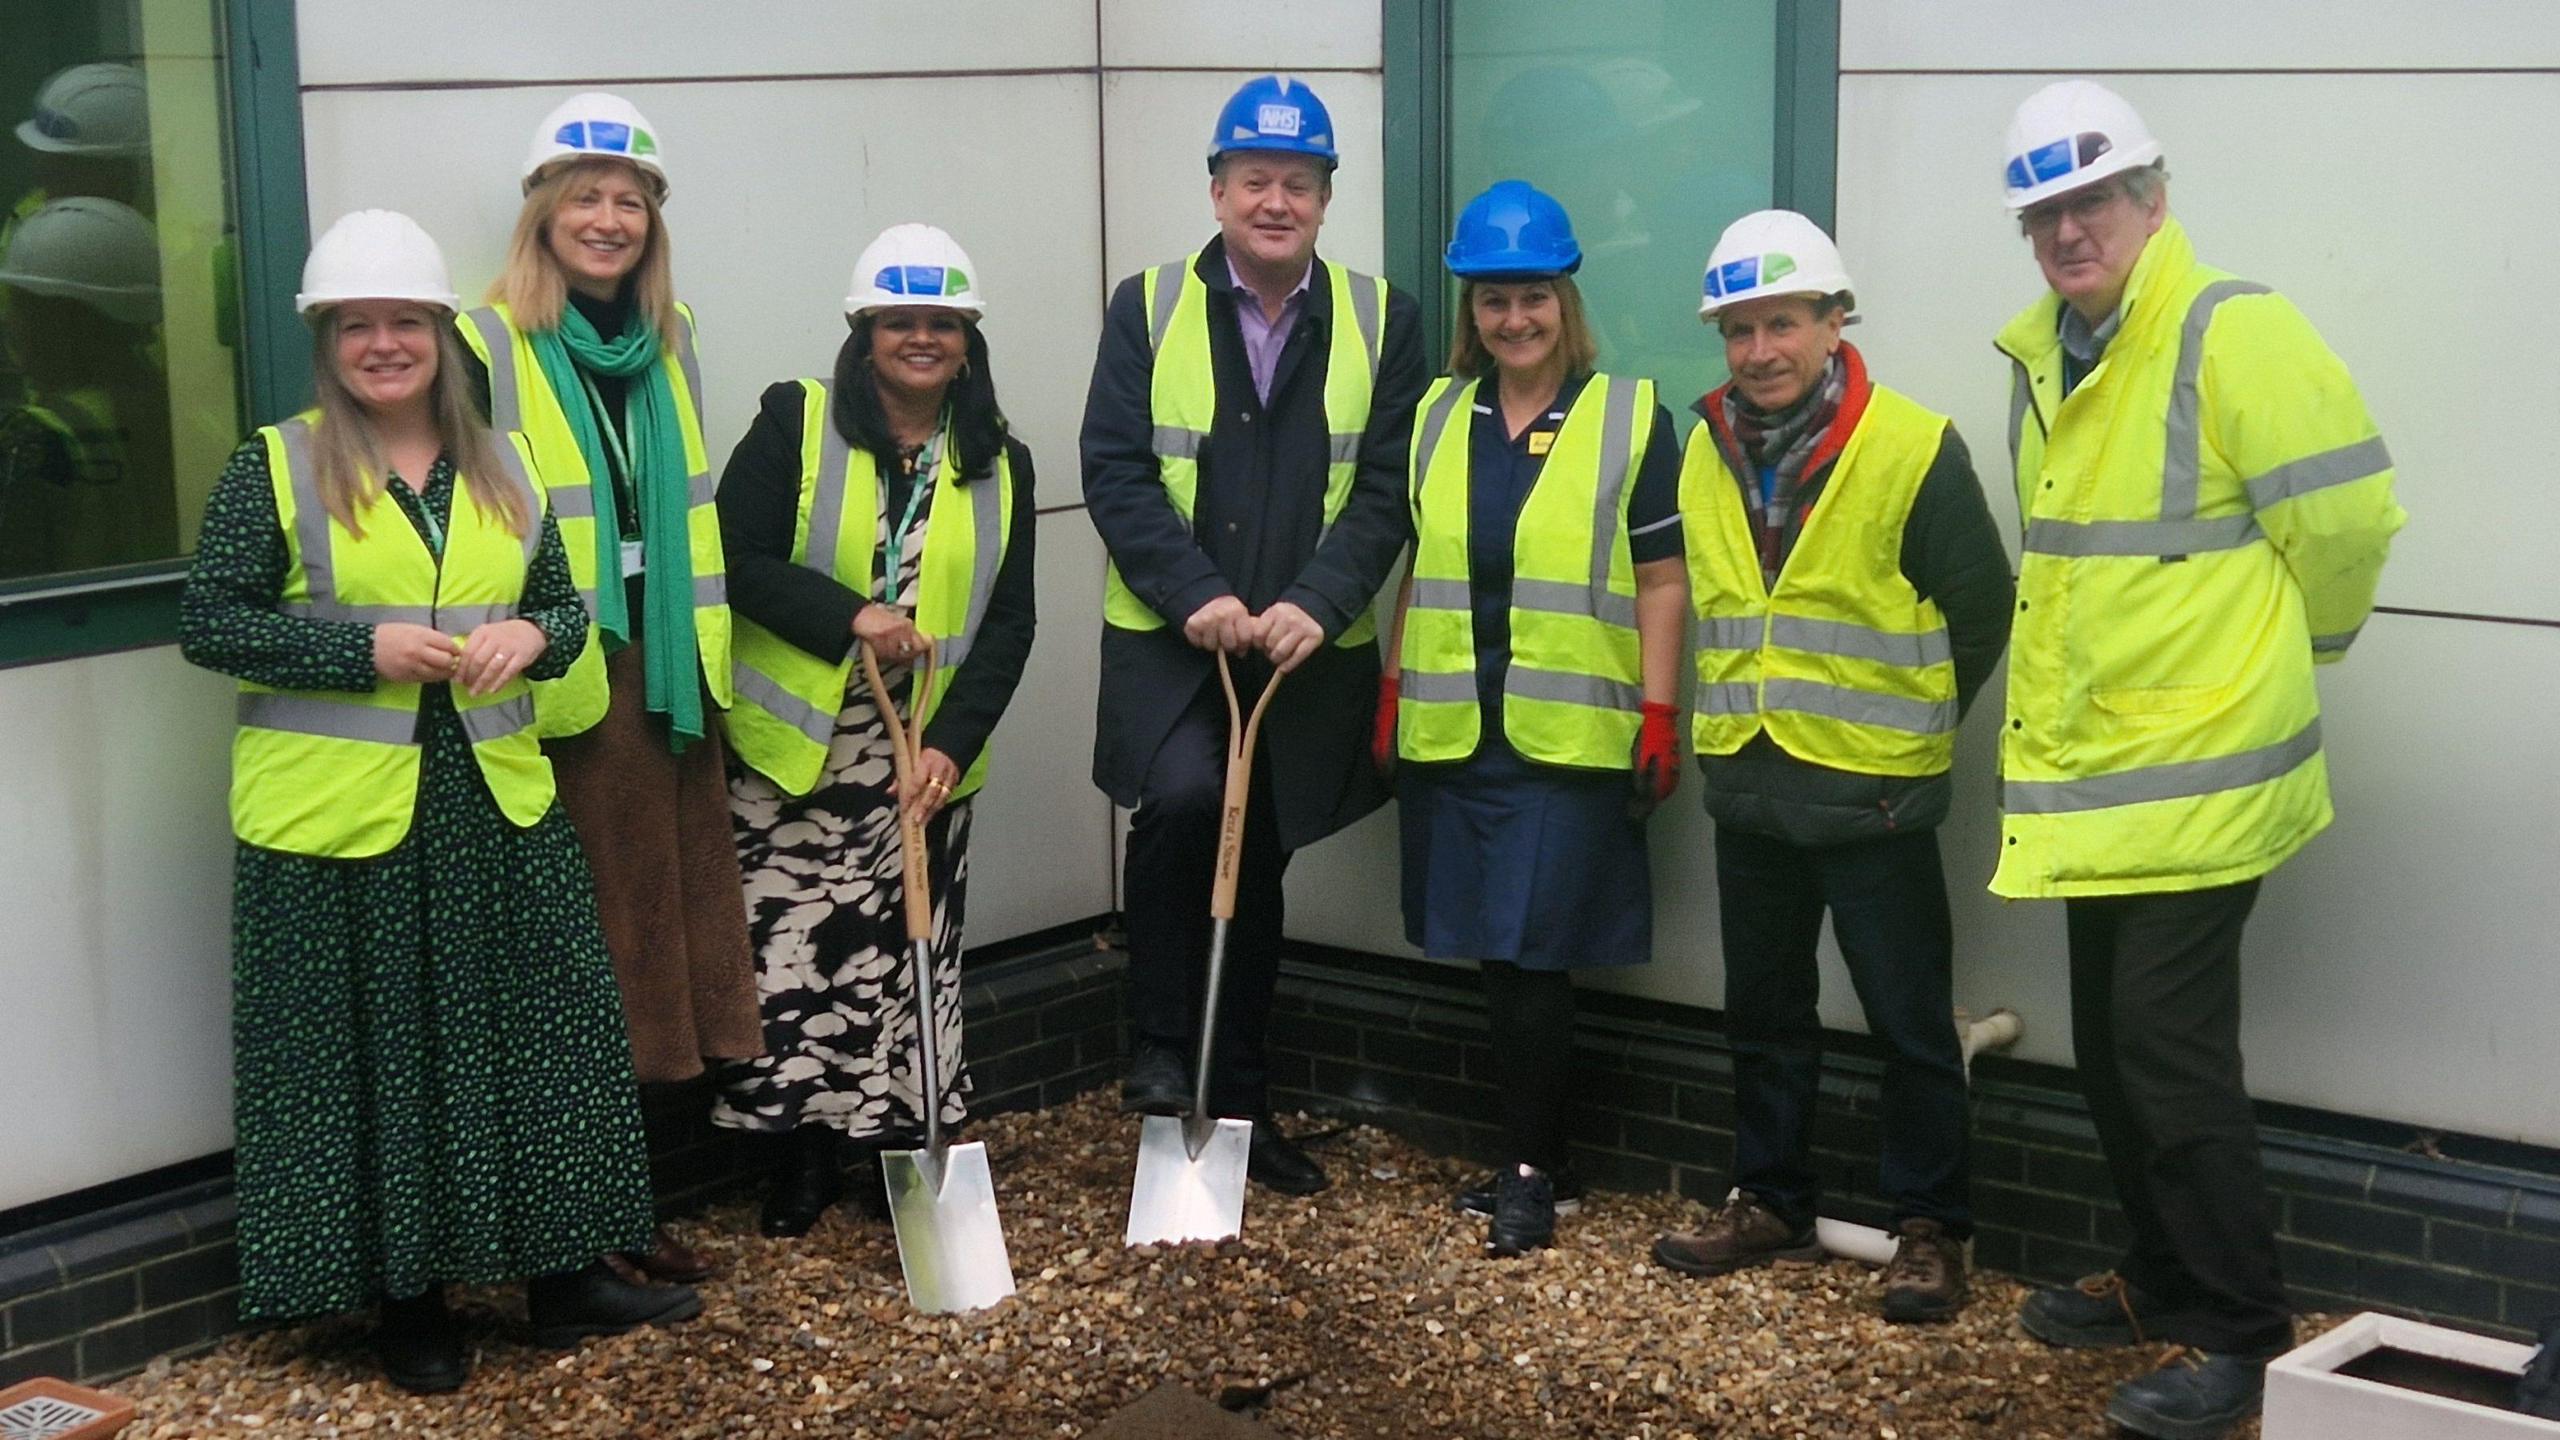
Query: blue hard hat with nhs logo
x=1514 y=230
x=1274 y=113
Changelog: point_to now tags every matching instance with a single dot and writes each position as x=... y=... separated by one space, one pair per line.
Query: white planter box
x=2308 y=1400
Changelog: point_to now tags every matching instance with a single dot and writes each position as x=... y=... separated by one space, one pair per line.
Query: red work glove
x=1657 y=754
x=1382 y=740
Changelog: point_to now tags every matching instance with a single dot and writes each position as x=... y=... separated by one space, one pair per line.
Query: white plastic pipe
x=1865 y=1243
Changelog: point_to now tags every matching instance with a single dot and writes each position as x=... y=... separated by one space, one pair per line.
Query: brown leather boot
x=1743 y=1234
x=1925 y=1279
x=672 y=1261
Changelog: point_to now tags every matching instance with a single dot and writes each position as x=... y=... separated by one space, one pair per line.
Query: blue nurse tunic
x=1506 y=858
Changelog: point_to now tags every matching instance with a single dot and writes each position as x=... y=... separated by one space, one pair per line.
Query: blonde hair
x=350 y=464
x=531 y=285
x=1581 y=349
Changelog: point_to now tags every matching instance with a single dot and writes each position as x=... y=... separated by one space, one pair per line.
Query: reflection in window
x=119 y=390
x=1653 y=123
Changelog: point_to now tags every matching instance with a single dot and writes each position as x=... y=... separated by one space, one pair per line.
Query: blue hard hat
x=1274 y=112
x=1513 y=229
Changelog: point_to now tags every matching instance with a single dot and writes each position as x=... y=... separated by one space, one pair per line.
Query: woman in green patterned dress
x=432 y=1080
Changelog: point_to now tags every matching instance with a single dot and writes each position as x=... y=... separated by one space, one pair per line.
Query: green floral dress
x=432 y=1080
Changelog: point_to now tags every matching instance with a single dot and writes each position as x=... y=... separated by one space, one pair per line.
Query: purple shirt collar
x=1264 y=338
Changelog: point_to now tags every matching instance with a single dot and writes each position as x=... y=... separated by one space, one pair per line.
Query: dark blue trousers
x=1888 y=905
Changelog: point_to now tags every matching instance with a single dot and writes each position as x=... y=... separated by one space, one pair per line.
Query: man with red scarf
x=1852 y=595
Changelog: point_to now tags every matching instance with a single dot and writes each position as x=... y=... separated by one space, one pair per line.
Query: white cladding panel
x=1193 y=34
x=363 y=42
x=2196 y=35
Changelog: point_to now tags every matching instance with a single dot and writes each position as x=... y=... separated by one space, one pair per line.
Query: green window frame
x=1420 y=209
x=46 y=620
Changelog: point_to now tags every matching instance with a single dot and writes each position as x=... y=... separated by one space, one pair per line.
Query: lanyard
x=612 y=437
x=927 y=469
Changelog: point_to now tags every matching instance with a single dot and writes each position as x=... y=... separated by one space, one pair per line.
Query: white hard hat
x=375 y=255
x=96 y=109
x=98 y=252
x=596 y=126
x=2069 y=134
x=1773 y=252
x=914 y=265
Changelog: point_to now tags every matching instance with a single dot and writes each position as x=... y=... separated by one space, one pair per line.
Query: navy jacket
x=1252 y=535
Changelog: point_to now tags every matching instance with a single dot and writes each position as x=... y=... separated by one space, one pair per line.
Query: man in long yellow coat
x=2207 y=507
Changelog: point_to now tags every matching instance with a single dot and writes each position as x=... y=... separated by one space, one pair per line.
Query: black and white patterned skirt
x=827 y=915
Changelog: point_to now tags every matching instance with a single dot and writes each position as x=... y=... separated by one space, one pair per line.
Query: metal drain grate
x=44 y=1418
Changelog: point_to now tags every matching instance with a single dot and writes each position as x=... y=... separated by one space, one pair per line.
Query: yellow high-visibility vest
x=1844 y=664
x=520 y=399
x=335 y=773
x=1184 y=400
x=1574 y=692
x=2206 y=516
x=787 y=699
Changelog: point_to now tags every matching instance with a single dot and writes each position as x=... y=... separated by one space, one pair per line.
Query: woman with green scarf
x=584 y=349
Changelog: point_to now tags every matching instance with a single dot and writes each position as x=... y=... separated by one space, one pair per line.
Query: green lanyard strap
x=927 y=468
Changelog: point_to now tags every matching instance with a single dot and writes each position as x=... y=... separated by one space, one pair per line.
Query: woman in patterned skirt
x=885 y=507
x=432 y=1083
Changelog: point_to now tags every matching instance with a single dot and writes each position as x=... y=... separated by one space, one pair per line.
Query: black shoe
x=804 y=1183
x=2101 y=1310
x=2197 y=1395
x=1477 y=1199
x=419 y=1345
x=1276 y=1163
x=1158 y=1083
x=1524 y=1212
x=574 y=1304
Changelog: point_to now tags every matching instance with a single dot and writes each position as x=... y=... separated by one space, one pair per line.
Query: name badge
x=632 y=563
x=1541 y=441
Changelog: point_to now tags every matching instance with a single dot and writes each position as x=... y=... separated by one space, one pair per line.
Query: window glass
x=119 y=314
x=1653 y=121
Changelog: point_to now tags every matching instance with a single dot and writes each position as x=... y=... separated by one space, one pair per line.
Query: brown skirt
x=655 y=826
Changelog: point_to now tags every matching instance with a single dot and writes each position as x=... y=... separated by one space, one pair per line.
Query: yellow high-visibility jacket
x=2206 y=516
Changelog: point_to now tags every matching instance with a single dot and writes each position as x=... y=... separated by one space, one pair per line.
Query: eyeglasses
x=2083 y=206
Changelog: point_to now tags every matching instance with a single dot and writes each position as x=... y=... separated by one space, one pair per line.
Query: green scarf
x=659 y=477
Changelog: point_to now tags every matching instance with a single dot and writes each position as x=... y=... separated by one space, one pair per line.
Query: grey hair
x=2143 y=183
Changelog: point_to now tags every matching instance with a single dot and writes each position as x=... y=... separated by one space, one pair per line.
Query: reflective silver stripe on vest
x=1442 y=595
x=1617 y=442
x=327 y=719
x=2335 y=644
x=511 y=469
x=1433 y=685
x=986 y=512
x=2182 y=463
x=826 y=501
x=573 y=502
x=360 y=614
x=1364 y=313
x=701 y=488
x=471 y=617
x=1172 y=442
x=2318 y=472
x=2180 y=780
x=1729 y=697
x=790 y=709
x=1861 y=707
x=1168 y=294
x=1338 y=449
x=2159 y=539
x=506 y=402
x=709 y=590
x=484 y=723
x=692 y=367
x=2022 y=398
x=1556 y=597
x=1860 y=642
x=1434 y=421
x=310 y=516
x=1730 y=632
x=1586 y=690
x=587 y=597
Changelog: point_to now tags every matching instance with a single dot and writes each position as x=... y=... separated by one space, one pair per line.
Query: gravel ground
x=1364 y=1312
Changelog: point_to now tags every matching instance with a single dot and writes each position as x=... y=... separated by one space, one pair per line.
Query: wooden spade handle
x=905 y=754
x=1242 y=732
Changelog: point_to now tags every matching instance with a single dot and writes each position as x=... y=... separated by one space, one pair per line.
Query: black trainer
x=2101 y=1310
x=419 y=1345
x=1158 y=1083
x=1478 y=1199
x=2195 y=1395
x=1524 y=1212
x=570 y=1306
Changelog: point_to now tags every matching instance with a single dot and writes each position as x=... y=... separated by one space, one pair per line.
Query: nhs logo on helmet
x=1279 y=120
